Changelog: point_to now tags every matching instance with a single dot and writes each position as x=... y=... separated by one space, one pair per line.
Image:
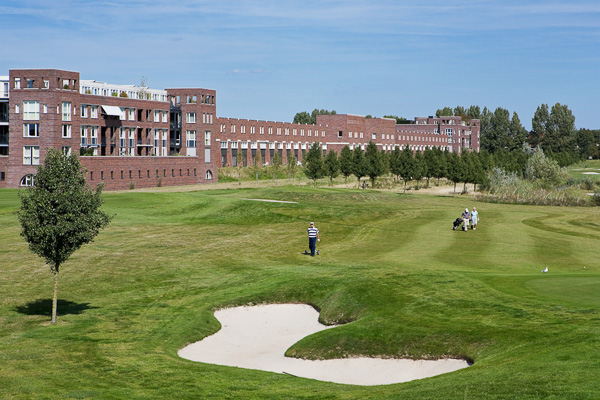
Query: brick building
x=133 y=136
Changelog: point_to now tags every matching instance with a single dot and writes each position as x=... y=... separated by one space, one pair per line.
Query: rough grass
x=391 y=269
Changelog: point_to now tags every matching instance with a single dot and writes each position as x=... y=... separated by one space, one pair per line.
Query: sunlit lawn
x=391 y=268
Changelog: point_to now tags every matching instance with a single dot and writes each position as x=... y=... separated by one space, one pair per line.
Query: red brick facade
x=179 y=139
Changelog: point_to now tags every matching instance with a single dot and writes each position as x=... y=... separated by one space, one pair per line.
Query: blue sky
x=270 y=59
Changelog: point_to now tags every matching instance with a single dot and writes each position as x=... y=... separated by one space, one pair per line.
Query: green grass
x=391 y=269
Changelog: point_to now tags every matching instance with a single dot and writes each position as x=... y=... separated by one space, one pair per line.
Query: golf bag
x=457 y=223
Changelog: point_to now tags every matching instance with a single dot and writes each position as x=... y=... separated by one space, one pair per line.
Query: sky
x=270 y=59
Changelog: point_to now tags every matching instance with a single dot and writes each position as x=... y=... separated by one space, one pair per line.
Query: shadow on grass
x=44 y=307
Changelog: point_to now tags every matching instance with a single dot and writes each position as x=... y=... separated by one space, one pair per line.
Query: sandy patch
x=273 y=201
x=590 y=173
x=257 y=338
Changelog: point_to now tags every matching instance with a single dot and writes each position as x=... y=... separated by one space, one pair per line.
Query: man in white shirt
x=313 y=235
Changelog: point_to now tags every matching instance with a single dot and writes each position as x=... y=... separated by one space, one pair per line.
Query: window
x=30 y=83
x=66 y=131
x=27 y=180
x=207 y=138
x=31 y=110
x=31 y=155
x=31 y=130
x=190 y=118
x=66 y=111
x=132 y=114
x=132 y=141
x=191 y=143
x=17 y=109
x=340 y=133
x=373 y=136
x=84 y=111
x=209 y=174
x=243 y=129
x=17 y=83
x=156 y=116
x=66 y=150
x=2 y=176
x=83 y=135
x=94 y=111
x=46 y=84
x=206 y=155
x=94 y=137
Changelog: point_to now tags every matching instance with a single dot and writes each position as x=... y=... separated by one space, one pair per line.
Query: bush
x=547 y=170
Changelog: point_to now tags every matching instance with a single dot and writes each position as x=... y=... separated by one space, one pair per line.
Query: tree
x=60 y=213
x=257 y=163
x=276 y=165
x=431 y=163
x=331 y=166
x=376 y=166
x=395 y=162
x=406 y=169
x=444 y=112
x=456 y=169
x=292 y=165
x=241 y=159
x=399 y=120
x=311 y=119
x=345 y=159
x=418 y=167
x=303 y=118
x=313 y=163
x=360 y=167
x=540 y=125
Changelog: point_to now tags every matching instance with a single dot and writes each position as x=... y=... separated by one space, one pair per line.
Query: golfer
x=474 y=218
x=466 y=215
x=313 y=235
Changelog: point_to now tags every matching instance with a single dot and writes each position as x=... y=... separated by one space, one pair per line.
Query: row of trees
x=406 y=165
x=552 y=129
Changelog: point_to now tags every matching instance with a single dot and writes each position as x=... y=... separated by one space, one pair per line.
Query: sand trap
x=273 y=201
x=257 y=338
x=590 y=173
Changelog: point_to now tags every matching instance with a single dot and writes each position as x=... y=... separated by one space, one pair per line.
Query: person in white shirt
x=313 y=235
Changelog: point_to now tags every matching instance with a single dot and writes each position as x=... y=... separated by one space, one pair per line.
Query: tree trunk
x=55 y=296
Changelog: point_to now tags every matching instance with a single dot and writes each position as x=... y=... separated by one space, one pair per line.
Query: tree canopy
x=60 y=213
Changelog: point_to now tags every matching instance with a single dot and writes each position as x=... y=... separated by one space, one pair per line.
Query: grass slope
x=391 y=269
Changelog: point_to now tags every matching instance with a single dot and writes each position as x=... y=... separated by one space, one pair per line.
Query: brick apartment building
x=133 y=136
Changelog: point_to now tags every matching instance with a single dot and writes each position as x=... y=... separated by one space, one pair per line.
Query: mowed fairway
x=391 y=268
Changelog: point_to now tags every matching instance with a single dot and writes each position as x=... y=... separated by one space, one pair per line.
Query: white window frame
x=27 y=129
x=31 y=155
x=31 y=110
x=190 y=118
x=66 y=111
x=207 y=138
x=66 y=131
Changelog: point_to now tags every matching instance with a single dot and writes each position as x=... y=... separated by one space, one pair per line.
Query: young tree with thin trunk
x=346 y=162
x=313 y=163
x=241 y=159
x=332 y=166
x=276 y=165
x=360 y=167
x=375 y=162
x=60 y=213
x=292 y=165
x=257 y=163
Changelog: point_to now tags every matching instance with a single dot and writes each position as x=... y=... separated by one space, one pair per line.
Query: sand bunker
x=257 y=338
